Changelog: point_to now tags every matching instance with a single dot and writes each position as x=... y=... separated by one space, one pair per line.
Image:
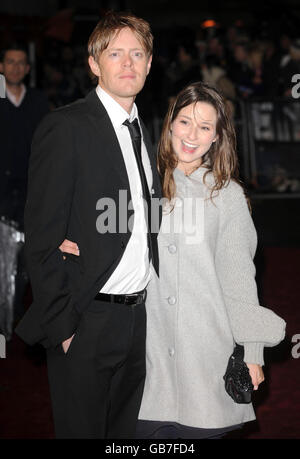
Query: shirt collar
x=12 y=97
x=116 y=113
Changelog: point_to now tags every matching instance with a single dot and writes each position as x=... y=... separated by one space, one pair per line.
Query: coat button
x=178 y=202
x=172 y=248
x=171 y=351
x=171 y=300
x=122 y=244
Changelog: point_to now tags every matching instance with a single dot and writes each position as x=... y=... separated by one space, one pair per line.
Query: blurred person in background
x=185 y=68
x=82 y=72
x=291 y=67
x=240 y=71
x=271 y=67
x=216 y=76
x=255 y=60
x=232 y=36
x=212 y=70
x=285 y=41
x=61 y=76
x=20 y=113
x=60 y=86
x=216 y=48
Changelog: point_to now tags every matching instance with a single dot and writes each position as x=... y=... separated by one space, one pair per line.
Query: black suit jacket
x=75 y=161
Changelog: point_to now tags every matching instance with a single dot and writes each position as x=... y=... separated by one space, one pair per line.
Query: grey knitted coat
x=204 y=301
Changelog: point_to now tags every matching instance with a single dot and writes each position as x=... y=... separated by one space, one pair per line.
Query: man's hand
x=69 y=247
x=66 y=344
x=256 y=373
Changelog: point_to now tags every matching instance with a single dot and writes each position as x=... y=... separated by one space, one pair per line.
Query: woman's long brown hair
x=221 y=159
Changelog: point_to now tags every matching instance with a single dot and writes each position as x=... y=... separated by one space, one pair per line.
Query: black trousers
x=96 y=387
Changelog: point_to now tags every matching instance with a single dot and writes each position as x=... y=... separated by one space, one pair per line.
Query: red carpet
x=24 y=395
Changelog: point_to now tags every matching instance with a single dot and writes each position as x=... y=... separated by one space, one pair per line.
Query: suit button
x=171 y=351
x=122 y=244
x=171 y=300
x=172 y=248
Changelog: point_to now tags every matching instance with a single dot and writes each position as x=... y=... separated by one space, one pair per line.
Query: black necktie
x=136 y=138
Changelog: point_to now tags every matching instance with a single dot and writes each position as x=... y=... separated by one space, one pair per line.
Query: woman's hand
x=69 y=247
x=256 y=373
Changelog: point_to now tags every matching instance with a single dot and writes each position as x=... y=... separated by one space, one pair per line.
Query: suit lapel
x=108 y=141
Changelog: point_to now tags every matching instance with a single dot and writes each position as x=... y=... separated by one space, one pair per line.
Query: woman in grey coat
x=205 y=299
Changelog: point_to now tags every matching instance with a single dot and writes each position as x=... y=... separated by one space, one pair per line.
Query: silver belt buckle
x=142 y=296
x=127 y=297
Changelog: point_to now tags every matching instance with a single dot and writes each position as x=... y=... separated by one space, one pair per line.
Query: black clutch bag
x=238 y=383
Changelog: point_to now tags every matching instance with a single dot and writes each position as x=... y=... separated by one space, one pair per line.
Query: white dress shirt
x=133 y=272
x=13 y=98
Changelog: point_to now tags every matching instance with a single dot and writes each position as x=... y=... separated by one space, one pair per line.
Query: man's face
x=240 y=54
x=122 y=67
x=15 y=67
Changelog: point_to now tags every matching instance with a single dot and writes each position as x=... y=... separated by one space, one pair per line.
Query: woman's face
x=192 y=133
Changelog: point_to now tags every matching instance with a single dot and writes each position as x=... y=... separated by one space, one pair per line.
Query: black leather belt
x=132 y=299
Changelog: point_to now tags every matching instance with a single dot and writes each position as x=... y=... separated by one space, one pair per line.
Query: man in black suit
x=89 y=311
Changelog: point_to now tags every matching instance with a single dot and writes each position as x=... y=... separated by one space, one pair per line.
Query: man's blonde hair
x=111 y=24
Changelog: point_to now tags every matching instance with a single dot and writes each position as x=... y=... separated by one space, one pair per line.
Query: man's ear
x=1 y=67
x=149 y=64
x=94 y=66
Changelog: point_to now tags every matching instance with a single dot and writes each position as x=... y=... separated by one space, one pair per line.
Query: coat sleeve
x=252 y=325
x=51 y=181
